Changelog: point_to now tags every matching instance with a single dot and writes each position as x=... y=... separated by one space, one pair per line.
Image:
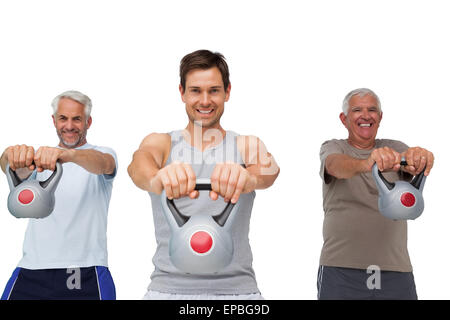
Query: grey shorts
x=336 y=283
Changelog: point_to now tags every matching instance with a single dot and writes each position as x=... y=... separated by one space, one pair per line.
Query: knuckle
x=191 y=176
x=182 y=179
x=166 y=184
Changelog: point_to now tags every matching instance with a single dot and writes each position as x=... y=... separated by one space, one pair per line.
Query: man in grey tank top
x=364 y=254
x=236 y=166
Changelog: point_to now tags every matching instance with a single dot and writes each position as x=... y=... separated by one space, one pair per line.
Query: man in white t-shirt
x=65 y=254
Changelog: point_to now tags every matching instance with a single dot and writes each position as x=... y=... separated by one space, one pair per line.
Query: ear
x=54 y=120
x=227 y=92
x=381 y=116
x=89 y=122
x=343 y=118
x=180 y=88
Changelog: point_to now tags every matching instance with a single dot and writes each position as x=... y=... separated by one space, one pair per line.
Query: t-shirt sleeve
x=113 y=154
x=327 y=148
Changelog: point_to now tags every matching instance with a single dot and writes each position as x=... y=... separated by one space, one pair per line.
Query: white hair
x=361 y=92
x=75 y=96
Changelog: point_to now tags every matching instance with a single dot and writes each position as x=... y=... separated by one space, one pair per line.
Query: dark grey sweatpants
x=336 y=283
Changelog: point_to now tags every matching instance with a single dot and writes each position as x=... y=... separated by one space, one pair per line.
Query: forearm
x=263 y=178
x=93 y=161
x=260 y=164
x=142 y=169
x=342 y=166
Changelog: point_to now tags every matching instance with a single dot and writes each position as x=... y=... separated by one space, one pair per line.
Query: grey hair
x=361 y=92
x=75 y=96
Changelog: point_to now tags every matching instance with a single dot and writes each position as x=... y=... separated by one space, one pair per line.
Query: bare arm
x=230 y=179
x=94 y=161
x=342 y=166
x=149 y=159
x=258 y=161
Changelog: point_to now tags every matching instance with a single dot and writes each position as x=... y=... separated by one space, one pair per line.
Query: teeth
x=204 y=111
x=365 y=125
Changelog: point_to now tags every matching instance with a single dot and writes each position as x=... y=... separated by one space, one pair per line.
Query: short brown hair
x=204 y=59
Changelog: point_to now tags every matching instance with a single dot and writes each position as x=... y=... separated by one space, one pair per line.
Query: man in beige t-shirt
x=364 y=255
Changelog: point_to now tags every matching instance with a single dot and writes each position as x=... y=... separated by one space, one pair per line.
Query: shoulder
x=156 y=140
x=243 y=138
x=156 y=145
x=334 y=144
x=248 y=143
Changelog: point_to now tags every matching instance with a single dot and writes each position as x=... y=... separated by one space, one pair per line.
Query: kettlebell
x=32 y=198
x=200 y=244
x=400 y=200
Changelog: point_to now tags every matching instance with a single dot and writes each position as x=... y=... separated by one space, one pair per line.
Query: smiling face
x=362 y=121
x=205 y=97
x=71 y=123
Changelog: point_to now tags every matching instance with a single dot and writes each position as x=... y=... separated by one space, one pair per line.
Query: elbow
x=335 y=174
x=274 y=178
x=130 y=170
x=270 y=180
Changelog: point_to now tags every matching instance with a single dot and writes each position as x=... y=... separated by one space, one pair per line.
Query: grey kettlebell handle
x=201 y=185
x=205 y=185
x=53 y=180
x=50 y=183
x=416 y=182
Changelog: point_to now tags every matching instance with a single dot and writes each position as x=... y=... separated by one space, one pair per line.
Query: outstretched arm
x=148 y=160
x=149 y=172
x=94 y=161
x=342 y=166
x=229 y=180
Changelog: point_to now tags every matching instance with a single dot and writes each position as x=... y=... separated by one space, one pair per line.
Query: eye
x=356 y=110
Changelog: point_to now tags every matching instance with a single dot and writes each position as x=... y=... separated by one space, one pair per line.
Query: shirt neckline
x=209 y=148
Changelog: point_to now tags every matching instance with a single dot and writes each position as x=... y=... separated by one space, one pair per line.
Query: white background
x=291 y=64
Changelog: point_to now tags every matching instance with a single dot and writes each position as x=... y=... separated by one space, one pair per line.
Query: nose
x=69 y=125
x=205 y=99
x=365 y=113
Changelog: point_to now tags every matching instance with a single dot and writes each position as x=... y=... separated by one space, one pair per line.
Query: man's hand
x=418 y=159
x=229 y=180
x=385 y=158
x=20 y=156
x=177 y=179
x=46 y=157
